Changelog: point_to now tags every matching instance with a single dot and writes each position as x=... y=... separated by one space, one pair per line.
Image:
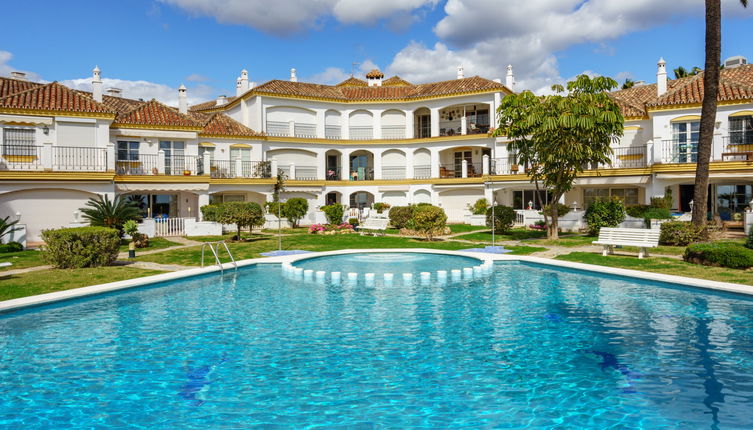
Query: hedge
x=72 y=248
x=681 y=233
x=428 y=221
x=400 y=215
x=604 y=213
x=504 y=218
x=724 y=254
x=11 y=247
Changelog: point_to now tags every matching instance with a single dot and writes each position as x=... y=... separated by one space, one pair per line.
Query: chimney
x=238 y=87
x=461 y=75
x=21 y=76
x=182 y=100
x=244 y=80
x=96 y=84
x=374 y=78
x=221 y=100
x=115 y=92
x=509 y=78
x=293 y=77
x=661 y=77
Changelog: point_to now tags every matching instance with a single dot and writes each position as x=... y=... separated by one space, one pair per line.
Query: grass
x=297 y=230
x=667 y=266
x=514 y=234
x=48 y=281
x=258 y=244
x=567 y=241
x=463 y=228
x=21 y=259
x=154 y=243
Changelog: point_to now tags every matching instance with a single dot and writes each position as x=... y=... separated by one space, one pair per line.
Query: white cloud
x=146 y=90
x=196 y=77
x=6 y=68
x=334 y=75
x=286 y=17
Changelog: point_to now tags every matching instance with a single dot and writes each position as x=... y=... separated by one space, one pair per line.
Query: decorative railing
x=450 y=171
x=305 y=130
x=737 y=146
x=248 y=169
x=222 y=169
x=145 y=164
x=278 y=128
x=79 y=159
x=21 y=157
x=422 y=171
x=332 y=132
x=393 y=172
x=361 y=133
x=676 y=151
x=393 y=132
x=630 y=157
x=505 y=166
x=475 y=170
x=306 y=173
x=361 y=174
x=181 y=165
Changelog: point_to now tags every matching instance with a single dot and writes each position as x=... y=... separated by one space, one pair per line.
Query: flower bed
x=343 y=228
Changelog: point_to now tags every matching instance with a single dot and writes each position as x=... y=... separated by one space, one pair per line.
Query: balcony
x=393 y=132
x=332 y=132
x=278 y=128
x=422 y=171
x=225 y=169
x=679 y=151
x=737 y=147
x=361 y=133
x=304 y=130
x=625 y=158
x=141 y=164
x=53 y=158
x=393 y=172
x=186 y=165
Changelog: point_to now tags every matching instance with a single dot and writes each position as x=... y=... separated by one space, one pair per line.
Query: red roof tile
x=10 y=86
x=55 y=97
x=155 y=113
x=222 y=125
x=395 y=81
x=353 y=82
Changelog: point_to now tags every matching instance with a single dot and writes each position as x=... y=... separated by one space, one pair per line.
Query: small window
x=19 y=141
x=741 y=130
x=128 y=151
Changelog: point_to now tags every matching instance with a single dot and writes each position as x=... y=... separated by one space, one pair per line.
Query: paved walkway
x=184 y=243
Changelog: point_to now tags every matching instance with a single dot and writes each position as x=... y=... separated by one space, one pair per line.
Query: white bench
x=6 y=264
x=643 y=238
x=373 y=225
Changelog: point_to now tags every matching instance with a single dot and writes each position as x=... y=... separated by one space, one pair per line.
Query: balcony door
x=685 y=141
x=741 y=132
x=458 y=162
x=174 y=156
x=243 y=154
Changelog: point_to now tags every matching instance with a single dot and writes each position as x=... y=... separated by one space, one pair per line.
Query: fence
x=145 y=164
x=21 y=157
x=79 y=159
x=422 y=171
x=306 y=173
x=332 y=132
x=181 y=165
x=169 y=226
x=675 y=151
x=631 y=157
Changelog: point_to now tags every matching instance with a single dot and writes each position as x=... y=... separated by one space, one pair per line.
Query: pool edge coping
x=73 y=293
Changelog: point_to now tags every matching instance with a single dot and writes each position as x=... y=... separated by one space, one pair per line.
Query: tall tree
x=557 y=135
x=629 y=83
x=708 y=108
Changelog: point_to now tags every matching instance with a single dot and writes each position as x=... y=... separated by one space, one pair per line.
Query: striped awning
x=126 y=188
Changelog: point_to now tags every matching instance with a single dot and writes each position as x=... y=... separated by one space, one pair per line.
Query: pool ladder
x=215 y=248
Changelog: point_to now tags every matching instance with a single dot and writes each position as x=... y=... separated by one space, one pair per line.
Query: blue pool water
x=530 y=347
x=387 y=262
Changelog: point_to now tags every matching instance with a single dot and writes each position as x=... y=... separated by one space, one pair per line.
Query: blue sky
x=150 y=47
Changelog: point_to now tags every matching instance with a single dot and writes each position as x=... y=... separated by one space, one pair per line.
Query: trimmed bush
x=428 y=221
x=480 y=207
x=210 y=212
x=381 y=207
x=294 y=209
x=604 y=213
x=637 y=211
x=723 y=254
x=73 y=248
x=749 y=240
x=504 y=218
x=334 y=213
x=11 y=247
x=400 y=215
x=681 y=233
x=242 y=214
x=274 y=208
x=353 y=221
x=656 y=213
x=562 y=210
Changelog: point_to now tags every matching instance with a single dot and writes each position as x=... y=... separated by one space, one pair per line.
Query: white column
x=464 y=169
x=161 y=162
x=238 y=168
x=206 y=163
x=489 y=195
x=717 y=147
x=45 y=156
x=111 y=157
x=291 y=128
x=203 y=201
x=321 y=168
x=377 y=164
x=434 y=162
x=291 y=174
x=463 y=123
x=345 y=124
x=409 y=124
x=320 y=124
x=485 y=166
x=658 y=149
x=649 y=153
x=273 y=167
x=434 y=122
x=345 y=166
x=409 y=163
x=377 y=116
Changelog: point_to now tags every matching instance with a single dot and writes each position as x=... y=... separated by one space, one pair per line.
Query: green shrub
x=749 y=240
x=480 y=207
x=11 y=247
x=604 y=213
x=681 y=233
x=637 y=211
x=210 y=212
x=275 y=208
x=428 y=221
x=663 y=202
x=334 y=213
x=242 y=214
x=294 y=209
x=381 y=207
x=400 y=215
x=353 y=221
x=72 y=248
x=103 y=212
x=504 y=218
x=562 y=210
x=724 y=254
x=8 y=227
x=657 y=213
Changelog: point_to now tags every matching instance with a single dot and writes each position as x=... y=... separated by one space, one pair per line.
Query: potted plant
x=478 y=212
x=131 y=228
x=186 y=173
x=380 y=207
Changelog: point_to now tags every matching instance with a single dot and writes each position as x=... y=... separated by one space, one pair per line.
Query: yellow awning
x=687 y=118
x=742 y=113
x=207 y=144
x=240 y=145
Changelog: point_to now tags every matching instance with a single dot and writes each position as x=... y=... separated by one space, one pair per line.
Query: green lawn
x=298 y=230
x=154 y=243
x=667 y=266
x=21 y=259
x=514 y=234
x=565 y=240
x=463 y=228
x=47 y=281
x=256 y=245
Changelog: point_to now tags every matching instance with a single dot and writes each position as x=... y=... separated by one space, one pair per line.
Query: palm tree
x=629 y=83
x=7 y=227
x=103 y=212
x=681 y=72
x=708 y=108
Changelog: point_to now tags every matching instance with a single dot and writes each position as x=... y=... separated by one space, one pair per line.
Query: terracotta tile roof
x=375 y=73
x=121 y=105
x=53 y=96
x=393 y=92
x=353 y=82
x=10 y=86
x=221 y=124
x=155 y=113
x=734 y=84
x=208 y=105
x=395 y=81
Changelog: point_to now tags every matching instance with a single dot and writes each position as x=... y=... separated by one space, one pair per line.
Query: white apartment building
x=356 y=143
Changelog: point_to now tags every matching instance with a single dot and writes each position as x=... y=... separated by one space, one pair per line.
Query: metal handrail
x=215 y=252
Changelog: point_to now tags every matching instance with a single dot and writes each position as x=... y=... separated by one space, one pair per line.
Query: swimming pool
x=530 y=346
